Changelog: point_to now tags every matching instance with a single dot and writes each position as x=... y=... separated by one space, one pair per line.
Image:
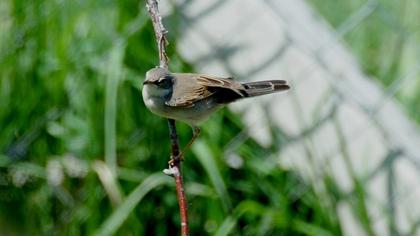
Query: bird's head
x=158 y=82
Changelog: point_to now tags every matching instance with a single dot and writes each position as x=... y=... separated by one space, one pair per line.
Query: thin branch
x=175 y=171
x=175 y=163
x=160 y=32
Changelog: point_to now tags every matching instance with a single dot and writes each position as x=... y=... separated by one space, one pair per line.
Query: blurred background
x=337 y=155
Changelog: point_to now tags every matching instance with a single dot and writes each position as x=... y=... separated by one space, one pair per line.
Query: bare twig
x=175 y=166
x=160 y=31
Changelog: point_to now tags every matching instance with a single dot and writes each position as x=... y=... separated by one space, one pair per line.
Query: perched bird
x=192 y=98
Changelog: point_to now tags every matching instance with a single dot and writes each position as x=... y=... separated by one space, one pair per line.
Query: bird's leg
x=180 y=157
x=196 y=133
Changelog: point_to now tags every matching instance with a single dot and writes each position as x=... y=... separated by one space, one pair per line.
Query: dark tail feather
x=265 y=87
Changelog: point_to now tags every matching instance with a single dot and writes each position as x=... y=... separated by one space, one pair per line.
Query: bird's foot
x=175 y=159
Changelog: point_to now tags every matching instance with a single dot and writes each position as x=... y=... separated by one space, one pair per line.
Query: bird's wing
x=197 y=87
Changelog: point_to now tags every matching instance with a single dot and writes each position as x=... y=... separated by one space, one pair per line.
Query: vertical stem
x=182 y=200
x=176 y=170
x=160 y=32
x=174 y=138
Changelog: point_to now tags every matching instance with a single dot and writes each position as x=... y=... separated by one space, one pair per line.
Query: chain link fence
x=341 y=128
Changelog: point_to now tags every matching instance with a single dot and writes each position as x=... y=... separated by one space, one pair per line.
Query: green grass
x=81 y=155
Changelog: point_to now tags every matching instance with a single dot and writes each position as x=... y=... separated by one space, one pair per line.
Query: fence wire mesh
x=341 y=123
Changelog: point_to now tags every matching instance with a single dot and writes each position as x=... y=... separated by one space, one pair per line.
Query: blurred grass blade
x=202 y=190
x=310 y=229
x=111 y=225
x=226 y=226
x=245 y=206
x=203 y=154
x=137 y=24
x=109 y=181
x=113 y=71
x=4 y=161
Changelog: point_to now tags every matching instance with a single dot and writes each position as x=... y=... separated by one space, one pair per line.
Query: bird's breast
x=192 y=115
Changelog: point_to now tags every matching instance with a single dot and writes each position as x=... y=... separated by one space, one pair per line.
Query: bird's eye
x=164 y=82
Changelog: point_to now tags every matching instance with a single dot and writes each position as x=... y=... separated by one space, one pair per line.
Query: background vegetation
x=80 y=154
x=384 y=35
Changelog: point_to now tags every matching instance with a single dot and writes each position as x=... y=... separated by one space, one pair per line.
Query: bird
x=191 y=98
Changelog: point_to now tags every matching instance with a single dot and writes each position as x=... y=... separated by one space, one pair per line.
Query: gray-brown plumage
x=192 y=98
x=190 y=88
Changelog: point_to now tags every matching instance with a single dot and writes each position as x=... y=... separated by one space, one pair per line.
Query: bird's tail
x=253 y=89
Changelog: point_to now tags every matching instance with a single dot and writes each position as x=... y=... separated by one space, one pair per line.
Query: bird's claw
x=175 y=159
